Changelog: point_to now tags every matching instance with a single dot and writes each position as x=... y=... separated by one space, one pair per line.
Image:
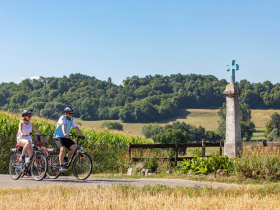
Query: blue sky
x=126 y=38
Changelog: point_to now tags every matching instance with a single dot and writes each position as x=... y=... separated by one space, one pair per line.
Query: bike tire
x=78 y=166
x=15 y=173
x=39 y=167
x=53 y=167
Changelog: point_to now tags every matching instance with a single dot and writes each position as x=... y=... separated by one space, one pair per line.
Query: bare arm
x=20 y=130
x=36 y=130
x=78 y=131
x=64 y=130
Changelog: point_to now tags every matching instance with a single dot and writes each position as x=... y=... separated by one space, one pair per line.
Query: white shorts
x=18 y=140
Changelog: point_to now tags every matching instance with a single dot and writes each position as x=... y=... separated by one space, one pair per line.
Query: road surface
x=6 y=181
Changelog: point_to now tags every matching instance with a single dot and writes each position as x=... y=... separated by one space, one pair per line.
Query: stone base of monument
x=148 y=172
x=232 y=149
x=130 y=172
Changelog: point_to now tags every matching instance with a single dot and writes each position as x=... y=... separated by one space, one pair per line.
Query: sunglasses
x=70 y=113
x=29 y=115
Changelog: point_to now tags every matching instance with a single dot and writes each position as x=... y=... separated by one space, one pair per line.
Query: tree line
x=138 y=99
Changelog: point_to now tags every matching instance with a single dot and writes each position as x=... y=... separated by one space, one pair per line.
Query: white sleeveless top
x=26 y=129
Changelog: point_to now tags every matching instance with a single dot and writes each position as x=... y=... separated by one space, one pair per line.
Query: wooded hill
x=138 y=99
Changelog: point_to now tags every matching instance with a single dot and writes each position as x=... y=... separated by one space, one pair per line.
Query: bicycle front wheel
x=39 y=167
x=53 y=166
x=15 y=167
x=82 y=166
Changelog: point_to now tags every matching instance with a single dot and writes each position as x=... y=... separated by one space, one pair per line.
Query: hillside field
x=207 y=118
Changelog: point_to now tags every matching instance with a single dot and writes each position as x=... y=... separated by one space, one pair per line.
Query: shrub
x=152 y=163
x=259 y=162
x=197 y=151
x=199 y=165
x=112 y=125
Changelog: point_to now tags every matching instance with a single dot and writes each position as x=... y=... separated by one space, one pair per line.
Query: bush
x=259 y=162
x=199 y=165
x=152 y=163
x=197 y=151
x=112 y=125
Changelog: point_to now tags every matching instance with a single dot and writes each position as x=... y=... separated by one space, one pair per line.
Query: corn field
x=105 y=148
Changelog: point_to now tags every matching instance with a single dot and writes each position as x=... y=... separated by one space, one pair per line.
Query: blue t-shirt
x=68 y=124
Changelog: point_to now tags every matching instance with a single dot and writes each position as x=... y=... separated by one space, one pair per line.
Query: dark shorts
x=63 y=142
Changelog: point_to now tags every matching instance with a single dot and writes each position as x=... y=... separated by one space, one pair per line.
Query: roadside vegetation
x=142 y=197
x=105 y=148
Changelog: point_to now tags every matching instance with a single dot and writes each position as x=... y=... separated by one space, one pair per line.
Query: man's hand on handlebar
x=79 y=136
x=83 y=137
x=66 y=135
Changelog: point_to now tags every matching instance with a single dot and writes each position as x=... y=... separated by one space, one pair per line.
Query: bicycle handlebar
x=77 y=136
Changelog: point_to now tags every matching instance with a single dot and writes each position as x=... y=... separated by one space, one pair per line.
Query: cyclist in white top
x=24 y=129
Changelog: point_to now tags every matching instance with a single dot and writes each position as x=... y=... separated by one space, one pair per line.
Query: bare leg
x=30 y=150
x=27 y=146
x=72 y=150
x=61 y=155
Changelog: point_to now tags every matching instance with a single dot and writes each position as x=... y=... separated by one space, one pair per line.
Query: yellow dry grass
x=133 y=197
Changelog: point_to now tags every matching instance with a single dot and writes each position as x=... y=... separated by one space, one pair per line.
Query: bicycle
x=82 y=163
x=37 y=162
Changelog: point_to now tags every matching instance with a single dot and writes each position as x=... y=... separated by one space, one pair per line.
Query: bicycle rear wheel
x=53 y=166
x=39 y=167
x=15 y=167
x=82 y=166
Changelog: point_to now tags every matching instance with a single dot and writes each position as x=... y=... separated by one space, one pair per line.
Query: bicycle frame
x=27 y=165
x=73 y=155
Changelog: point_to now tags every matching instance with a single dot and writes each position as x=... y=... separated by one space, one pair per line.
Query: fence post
x=221 y=147
x=129 y=151
x=203 y=142
x=176 y=155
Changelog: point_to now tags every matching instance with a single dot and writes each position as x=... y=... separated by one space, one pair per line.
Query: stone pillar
x=233 y=127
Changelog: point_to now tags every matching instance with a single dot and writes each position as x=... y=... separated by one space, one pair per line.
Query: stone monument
x=233 y=127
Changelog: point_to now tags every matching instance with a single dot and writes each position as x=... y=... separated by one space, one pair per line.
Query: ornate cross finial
x=232 y=66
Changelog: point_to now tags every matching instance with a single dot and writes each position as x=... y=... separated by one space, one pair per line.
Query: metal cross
x=232 y=66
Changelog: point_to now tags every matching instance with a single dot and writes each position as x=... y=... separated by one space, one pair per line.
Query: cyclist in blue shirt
x=61 y=136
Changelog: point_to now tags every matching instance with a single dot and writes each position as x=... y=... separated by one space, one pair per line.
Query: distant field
x=207 y=118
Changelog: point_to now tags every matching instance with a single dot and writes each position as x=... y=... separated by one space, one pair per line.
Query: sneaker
x=65 y=159
x=62 y=168
x=27 y=173
x=21 y=159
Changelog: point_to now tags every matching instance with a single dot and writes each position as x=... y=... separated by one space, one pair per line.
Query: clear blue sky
x=126 y=38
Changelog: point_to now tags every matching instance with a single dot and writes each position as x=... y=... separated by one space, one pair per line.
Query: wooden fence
x=261 y=144
x=203 y=144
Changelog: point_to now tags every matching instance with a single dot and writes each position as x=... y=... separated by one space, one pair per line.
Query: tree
x=268 y=128
x=272 y=127
x=112 y=125
x=150 y=98
x=151 y=130
x=171 y=136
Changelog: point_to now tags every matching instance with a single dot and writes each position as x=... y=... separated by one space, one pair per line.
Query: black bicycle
x=37 y=164
x=82 y=163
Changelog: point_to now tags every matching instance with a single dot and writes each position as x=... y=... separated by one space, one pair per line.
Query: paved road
x=6 y=181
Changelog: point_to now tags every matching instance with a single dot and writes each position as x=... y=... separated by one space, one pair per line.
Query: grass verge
x=146 y=197
x=201 y=178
